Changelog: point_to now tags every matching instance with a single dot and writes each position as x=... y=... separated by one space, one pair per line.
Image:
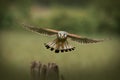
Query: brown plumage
x=60 y=43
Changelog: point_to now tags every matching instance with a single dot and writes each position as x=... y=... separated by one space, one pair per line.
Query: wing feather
x=45 y=31
x=82 y=39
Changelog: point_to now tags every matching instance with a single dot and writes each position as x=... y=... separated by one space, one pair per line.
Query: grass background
x=88 y=62
x=93 y=18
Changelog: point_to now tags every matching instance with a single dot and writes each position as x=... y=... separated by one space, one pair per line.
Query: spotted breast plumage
x=60 y=43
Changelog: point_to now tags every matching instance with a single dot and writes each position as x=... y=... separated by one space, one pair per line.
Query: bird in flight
x=60 y=44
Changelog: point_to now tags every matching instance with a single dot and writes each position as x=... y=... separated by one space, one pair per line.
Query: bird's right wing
x=45 y=31
x=83 y=39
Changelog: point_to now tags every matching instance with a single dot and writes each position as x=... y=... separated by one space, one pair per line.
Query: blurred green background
x=92 y=18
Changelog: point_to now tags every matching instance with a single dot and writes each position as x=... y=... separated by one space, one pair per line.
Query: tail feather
x=68 y=47
x=59 y=46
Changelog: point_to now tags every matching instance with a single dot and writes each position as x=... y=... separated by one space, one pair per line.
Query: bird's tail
x=59 y=46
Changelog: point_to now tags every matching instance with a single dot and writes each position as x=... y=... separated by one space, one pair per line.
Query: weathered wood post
x=41 y=71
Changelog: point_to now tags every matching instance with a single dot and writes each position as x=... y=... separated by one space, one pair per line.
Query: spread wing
x=82 y=39
x=45 y=31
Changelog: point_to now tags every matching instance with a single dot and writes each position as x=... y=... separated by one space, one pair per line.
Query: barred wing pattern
x=41 y=30
x=82 y=39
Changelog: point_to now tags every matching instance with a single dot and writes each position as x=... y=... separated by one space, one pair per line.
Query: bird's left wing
x=45 y=31
x=82 y=39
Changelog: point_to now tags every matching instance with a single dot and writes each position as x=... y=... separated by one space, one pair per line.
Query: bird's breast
x=61 y=39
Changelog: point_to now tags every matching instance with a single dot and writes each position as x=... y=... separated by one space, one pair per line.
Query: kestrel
x=60 y=43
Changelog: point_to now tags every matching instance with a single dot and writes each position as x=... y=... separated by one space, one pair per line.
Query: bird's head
x=62 y=34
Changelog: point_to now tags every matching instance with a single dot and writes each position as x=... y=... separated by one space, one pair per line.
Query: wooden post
x=41 y=71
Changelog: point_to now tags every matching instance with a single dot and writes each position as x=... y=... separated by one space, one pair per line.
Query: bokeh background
x=92 y=18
